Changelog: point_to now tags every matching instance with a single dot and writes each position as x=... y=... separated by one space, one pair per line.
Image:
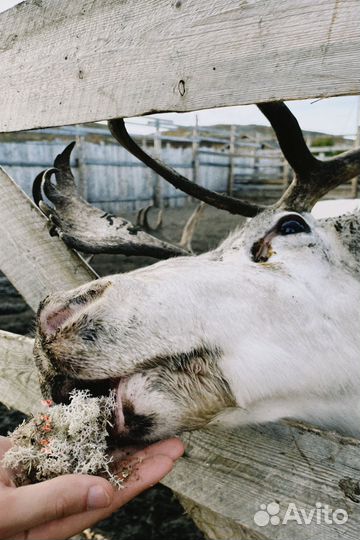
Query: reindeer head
x=252 y=322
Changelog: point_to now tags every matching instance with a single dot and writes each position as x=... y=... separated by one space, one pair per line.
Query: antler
x=223 y=202
x=190 y=226
x=143 y=221
x=89 y=229
x=313 y=178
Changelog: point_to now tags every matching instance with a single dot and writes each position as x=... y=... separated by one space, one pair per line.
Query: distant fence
x=108 y=176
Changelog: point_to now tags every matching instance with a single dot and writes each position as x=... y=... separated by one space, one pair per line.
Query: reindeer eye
x=291 y=227
x=292 y=224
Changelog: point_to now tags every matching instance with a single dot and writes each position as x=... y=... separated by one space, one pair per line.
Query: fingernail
x=97 y=498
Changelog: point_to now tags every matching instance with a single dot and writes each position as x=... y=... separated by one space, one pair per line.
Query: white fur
x=288 y=329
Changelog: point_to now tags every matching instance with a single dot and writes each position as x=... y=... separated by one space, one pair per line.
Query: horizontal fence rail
x=160 y=56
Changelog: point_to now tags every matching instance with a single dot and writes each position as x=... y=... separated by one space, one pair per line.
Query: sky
x=338 y=116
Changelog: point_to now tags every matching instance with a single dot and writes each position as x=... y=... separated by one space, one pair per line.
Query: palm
x=59 y=508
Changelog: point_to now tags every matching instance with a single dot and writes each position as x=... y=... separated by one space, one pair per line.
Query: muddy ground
x=156 y=514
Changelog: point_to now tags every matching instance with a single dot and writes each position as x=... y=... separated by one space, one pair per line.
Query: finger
x=5 y=474
x=174 y=448
x=29 y=506
x=148 y=473
x=5 y=445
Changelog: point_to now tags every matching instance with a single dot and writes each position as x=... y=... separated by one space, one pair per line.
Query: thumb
x=29 y=506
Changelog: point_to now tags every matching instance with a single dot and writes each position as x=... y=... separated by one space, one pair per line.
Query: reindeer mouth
x=62 y=386
x=125 y=427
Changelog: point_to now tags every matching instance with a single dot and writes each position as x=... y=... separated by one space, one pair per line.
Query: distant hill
x=257 y=132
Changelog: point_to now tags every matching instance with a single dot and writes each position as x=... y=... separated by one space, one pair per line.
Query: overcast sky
x=6 y=4
x=333 y=115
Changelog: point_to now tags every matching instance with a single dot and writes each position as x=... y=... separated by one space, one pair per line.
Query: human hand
x=64 y=506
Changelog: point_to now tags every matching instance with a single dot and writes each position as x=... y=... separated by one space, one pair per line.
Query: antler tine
x=223 y=202
x=289 y=136
x=36 y=188
x=190 y=226
x=343 y=167
x=305 y=191
x=142 y=218
x=86 y=228
x=39 y=182
x=313 y=178
x=159 y=219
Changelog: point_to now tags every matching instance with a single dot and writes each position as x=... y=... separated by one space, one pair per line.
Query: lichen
x=64 y=439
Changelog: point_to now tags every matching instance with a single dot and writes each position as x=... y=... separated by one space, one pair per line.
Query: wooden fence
x=69 y=62
x=108 y=176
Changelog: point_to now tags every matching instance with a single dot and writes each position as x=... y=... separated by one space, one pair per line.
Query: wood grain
x=68 y=62
x=19 y=385
x=226 y=476
x=35 y=263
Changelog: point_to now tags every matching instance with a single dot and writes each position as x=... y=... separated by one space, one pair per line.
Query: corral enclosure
x=249 y=165
x=163 y=53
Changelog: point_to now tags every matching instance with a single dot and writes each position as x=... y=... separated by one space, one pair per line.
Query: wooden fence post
x=82 y=183
x=35 y=263
x=195 y=152
x=158 y=196
x=230 y=186
x=149 y=177
x=256 y=154
x=355 y=181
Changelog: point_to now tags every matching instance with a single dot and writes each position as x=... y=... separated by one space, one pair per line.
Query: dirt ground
x=156 y=514
x=214 y=226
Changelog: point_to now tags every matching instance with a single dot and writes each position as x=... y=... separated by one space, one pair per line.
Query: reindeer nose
x=57 y=309
x=51 y=320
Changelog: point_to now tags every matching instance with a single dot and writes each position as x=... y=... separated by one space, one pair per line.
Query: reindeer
x=264 y=327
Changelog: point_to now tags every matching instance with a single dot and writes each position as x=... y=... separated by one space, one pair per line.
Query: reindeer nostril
x=52 y=318
x=51 y=322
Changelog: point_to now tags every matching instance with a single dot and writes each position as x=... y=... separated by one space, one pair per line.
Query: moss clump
x=63 y=439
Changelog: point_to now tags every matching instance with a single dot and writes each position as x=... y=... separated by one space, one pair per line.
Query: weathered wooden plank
x=35 y=263
x=68 y=62
x=224 y=479
x=215 y=525
x=19 y=385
